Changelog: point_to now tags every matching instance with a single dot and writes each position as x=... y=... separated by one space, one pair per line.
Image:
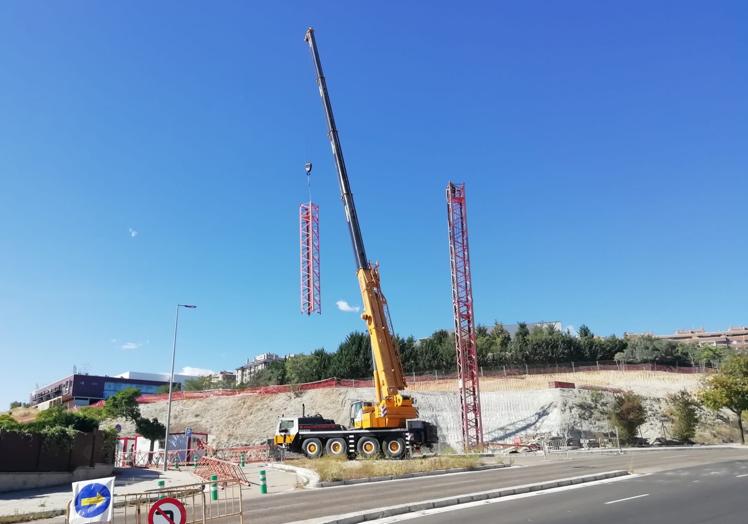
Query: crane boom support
x=393 y=408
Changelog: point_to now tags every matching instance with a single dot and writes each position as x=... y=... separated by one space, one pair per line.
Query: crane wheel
x=395 y=448
x=336 y=447
x=368 y=447
x=312 y=448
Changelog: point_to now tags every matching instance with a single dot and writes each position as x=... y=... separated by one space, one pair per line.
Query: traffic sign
x=167 y=511
x=92 y=501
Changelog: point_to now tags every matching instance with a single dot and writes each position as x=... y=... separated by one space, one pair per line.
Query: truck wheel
x=368 y=447
x=395 y=448
x=312 y=448
x=336 y=447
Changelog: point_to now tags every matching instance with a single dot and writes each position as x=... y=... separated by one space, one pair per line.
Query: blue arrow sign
x=92 y=500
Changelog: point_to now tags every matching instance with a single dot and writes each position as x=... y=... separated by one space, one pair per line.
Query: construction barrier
x=222 y=469
x=190 y=504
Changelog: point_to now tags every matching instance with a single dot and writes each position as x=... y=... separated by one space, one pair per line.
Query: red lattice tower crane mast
x=462 y=301
x=311 y=299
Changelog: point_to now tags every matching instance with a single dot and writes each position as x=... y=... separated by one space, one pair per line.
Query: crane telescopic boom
x=392 y=408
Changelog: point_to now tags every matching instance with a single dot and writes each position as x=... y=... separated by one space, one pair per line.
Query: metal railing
x=203 y=503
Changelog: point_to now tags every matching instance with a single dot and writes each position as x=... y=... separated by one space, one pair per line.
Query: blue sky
x=603 y=144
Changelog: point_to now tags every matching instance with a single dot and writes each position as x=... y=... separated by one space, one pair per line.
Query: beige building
x=735 y=337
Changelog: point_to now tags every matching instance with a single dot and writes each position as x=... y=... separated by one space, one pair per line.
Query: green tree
x=9 y=423
x=197 y=384
x=123 y=404
x=151 y=429
x=274 y=373
x=683 y=410
x=18 y=404
x=627 y=414
x=301 y=369
x=58 y=416
x=729 y=389
x=353 y=357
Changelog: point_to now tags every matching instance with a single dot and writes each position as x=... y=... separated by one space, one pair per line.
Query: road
x=316 y=503
x=713 y=493
x=310 y=504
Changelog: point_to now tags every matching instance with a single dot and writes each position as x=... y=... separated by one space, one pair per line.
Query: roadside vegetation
x=683 y=412
x=728 y=389
x=332 y=469
x=627 y=414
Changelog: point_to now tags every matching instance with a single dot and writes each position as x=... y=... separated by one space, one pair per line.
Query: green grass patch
x=333 y=469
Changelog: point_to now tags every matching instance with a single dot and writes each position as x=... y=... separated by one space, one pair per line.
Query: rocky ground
x=512 y=407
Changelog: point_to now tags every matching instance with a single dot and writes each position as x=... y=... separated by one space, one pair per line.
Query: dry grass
x=331 y=469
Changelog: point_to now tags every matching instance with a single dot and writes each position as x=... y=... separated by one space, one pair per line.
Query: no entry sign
x=167 y=511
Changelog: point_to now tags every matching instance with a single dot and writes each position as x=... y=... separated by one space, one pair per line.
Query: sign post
x=92 y=501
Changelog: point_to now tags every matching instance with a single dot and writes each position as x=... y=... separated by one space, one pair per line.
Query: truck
x=389 y=425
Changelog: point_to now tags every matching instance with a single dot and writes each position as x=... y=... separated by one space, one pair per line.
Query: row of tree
x=495 y=346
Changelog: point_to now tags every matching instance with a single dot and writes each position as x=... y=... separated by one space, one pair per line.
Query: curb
x=391 y=511
x=306 y=476
x=351 y=482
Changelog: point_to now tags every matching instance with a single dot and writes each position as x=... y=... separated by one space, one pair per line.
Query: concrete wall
x=21 y=481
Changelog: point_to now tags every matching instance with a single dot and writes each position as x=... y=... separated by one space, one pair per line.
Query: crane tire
x=395 y=448
x=312 y=448
x=336 y=447
x=368 y=447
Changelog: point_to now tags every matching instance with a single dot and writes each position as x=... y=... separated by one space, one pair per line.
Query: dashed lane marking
x=627 y=498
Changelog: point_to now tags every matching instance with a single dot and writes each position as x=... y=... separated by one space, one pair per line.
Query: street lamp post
x=171 y=385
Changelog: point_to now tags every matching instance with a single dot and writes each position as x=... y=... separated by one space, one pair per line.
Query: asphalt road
x=714 y=493
x=315 y=503
x=311 y=504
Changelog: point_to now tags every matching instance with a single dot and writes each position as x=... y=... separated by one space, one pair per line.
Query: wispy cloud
x=133 y=232
x=195 y=372
x=127 y=346
x=345 y=306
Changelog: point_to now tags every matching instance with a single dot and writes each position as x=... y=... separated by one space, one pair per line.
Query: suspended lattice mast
x=311 y=299
x=462 y=301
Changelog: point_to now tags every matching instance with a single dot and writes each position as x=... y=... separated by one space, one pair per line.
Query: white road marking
x=468 y=505
x=741 y=476
x=627 y=498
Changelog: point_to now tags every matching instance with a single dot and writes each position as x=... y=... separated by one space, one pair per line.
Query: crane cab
x=286 y=431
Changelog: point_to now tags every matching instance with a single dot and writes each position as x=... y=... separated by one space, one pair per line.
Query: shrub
x=628 y=414
x=683 y=410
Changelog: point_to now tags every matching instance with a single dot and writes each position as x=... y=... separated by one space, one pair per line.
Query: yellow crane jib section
x=393 y=408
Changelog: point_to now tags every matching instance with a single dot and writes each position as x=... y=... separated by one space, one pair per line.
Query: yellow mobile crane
x=389 y=425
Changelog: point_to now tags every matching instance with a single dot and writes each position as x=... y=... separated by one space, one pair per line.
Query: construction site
x=454 y=438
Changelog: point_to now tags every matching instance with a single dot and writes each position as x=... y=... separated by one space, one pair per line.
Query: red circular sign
x=167 y=511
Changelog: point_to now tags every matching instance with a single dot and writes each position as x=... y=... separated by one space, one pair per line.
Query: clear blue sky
x=604 y=146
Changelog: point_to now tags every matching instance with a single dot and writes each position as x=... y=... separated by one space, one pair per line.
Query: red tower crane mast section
x=310 y=268
x=462 y=301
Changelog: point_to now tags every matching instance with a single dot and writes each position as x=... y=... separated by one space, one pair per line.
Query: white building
x=245 y=373
x=163 y=377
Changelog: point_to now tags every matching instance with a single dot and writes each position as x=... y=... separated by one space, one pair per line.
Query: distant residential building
x=84 y=390
x=223 y=378
x=245 y=373
x=162 y=377
x=735 y=337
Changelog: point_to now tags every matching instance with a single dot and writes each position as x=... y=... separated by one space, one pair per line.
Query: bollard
x=263 y=482
x=161 y=485
x=214 y=487
x=241 y=460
